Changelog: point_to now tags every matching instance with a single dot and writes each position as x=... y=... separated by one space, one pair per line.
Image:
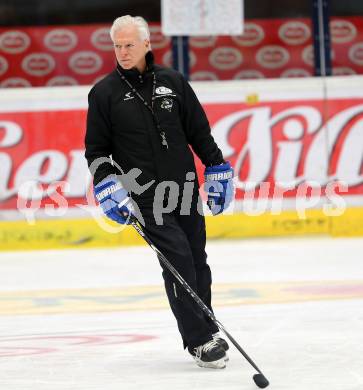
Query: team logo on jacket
x=128 y=96
x=167 y=104
x=163 y=90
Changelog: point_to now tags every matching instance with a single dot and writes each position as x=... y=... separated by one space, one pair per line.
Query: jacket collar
x=149 y=58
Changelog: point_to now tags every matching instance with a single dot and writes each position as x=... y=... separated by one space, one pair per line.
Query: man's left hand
x=219 y=186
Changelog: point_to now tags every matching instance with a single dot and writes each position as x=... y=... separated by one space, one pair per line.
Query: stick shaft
x=196 y=298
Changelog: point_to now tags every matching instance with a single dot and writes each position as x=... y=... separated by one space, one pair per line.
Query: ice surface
x=98 y=319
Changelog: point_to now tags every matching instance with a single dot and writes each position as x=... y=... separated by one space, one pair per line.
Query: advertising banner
x=284 y=140
x=82 y=54
x=297 y=155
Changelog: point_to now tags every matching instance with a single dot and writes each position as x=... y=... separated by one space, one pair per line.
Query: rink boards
x=83 y=233
x=296 y=146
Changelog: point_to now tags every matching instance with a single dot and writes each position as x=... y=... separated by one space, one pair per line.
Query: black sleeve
x=98 y=140
x=197 y=129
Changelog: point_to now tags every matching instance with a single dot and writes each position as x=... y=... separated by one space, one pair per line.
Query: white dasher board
x=202 y=17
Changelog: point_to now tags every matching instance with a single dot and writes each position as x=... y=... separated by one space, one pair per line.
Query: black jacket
x=121 y=126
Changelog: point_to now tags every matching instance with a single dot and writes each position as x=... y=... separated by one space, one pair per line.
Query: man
x=145 y=117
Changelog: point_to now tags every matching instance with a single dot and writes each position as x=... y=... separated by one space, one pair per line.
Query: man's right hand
x=114 y=200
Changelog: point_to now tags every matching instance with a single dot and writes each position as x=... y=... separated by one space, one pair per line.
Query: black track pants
x=182 y=240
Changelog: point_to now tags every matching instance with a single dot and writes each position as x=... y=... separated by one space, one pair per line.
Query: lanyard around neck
x=164 y=142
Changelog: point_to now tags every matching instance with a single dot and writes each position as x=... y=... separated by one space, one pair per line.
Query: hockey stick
x=260 y=380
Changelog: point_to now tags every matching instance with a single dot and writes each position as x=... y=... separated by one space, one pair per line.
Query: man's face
x=130 y=49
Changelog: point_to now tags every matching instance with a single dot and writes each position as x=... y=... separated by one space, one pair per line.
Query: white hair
x=127 y=20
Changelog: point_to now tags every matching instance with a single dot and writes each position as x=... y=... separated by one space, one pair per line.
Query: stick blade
x=260 y=381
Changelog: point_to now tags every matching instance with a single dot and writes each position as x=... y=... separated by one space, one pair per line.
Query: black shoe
x=210 y=355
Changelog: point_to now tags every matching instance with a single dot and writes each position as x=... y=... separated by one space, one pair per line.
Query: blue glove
x=219 y=186
x=114 y=200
